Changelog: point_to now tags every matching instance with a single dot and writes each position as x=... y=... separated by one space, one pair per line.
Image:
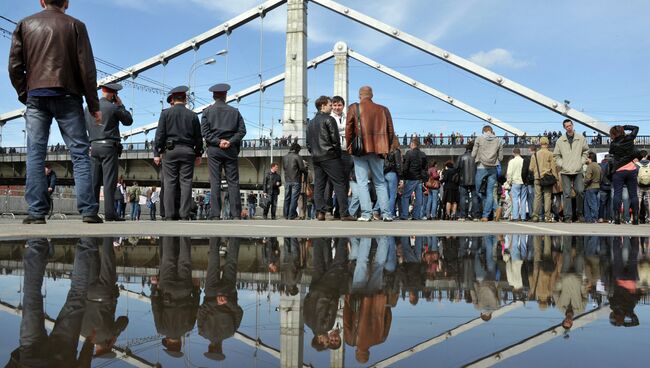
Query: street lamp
x=199 y=63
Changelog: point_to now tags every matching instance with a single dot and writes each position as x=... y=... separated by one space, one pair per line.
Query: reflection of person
x=59 y=349
x=271 y=253
x=174 y=297
x=293 y=262
x=625 y=273
x=570 y=293
x=485 y=289
x=99 y=324
x=220 y=315
x=545 y=272
x=328 y=283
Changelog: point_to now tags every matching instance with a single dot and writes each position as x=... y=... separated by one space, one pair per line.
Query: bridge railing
x=426 y=141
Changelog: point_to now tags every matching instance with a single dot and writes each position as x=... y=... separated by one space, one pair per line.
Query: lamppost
x=195 y=66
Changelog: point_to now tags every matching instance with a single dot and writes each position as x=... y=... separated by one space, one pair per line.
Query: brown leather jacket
x=51 y=49
x=377 y=130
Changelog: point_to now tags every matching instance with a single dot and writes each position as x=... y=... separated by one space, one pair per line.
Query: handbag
x=548 y=180
x=357 y=142
x=264 y=202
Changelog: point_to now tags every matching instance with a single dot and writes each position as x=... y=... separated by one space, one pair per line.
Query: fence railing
x=426 y=141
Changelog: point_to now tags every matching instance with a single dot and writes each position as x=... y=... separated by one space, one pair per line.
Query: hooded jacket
x=488 y=150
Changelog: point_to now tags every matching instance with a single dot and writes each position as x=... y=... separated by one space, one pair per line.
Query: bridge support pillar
x=295 y=75
x=292 y=334
x=337 y=357
x=341 y=81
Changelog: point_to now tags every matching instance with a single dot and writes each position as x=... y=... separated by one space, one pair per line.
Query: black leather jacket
x=323 y=139
x=622 y=148
x=467 y=168
x=415 y=165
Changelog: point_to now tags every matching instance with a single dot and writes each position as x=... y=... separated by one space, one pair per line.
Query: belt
x=106 y=141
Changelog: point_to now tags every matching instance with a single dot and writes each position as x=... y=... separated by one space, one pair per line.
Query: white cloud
x=497 y=57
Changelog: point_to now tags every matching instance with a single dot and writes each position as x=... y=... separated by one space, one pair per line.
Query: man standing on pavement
x=272 y=184
x=51 y=66
x=541 y=164
x=178 y=136
x=592 y=184
x=374 y=125
x=466 y=167
x=51 y=185
x=324 y=144
x=487 y=153
x=414 y=171
x=223 y=129
x=294 y=169
x=570 y=154
x=106 y=147
x=518 y=191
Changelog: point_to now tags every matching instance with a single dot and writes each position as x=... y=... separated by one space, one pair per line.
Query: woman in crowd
x=433 y=187
x=623 y=168
x=451 y=179
x=392 y=166
x=120 y=193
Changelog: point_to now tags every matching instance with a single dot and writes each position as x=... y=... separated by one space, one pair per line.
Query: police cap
x=220 y=88
x=180 y=90
x=112 y=87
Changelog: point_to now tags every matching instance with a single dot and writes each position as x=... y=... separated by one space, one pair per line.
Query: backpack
x=644 y=174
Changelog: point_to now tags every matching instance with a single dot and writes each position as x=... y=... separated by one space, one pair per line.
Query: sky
x=592 y=53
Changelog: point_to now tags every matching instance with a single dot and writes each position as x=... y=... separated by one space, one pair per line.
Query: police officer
x=178 y=137
x=105 y=146
x=223 y=129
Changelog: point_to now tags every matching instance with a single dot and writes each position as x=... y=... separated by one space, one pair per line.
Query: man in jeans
x=487 y=153
x=414 y=172
x=518 y=190
x=592 y=184
x=294 y=168
x=51 y=66
x=570 y=154
x=467 y=169
x=377 y=133
x=272 y=184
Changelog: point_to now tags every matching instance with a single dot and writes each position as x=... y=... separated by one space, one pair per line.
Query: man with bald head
x=374 y=125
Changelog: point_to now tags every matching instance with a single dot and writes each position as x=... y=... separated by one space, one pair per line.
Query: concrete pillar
x=295 y=74
x=341 y=80
x=337 y=357
x=292 y=334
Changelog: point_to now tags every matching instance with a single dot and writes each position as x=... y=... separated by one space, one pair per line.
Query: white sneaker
x=364 y=219
x=388 y=219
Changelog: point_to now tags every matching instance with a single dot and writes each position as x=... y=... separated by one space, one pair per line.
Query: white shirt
x=340 y=123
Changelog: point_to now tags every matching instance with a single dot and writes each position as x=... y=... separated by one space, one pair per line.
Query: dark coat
x=323 y=139
x=622 y=148
x=467 y=168
x=415 y=165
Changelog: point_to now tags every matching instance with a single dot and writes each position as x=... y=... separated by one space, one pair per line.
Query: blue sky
x=592 y=53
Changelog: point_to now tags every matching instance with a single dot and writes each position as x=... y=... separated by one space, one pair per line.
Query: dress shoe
x=109 y=219
x=348 y=218
x=92 y=219
x=320 y=216
x=33 y=220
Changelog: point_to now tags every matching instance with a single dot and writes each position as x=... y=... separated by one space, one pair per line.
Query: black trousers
x=104 y=169
x=332 y=170
x=178 y=171
x=272 y=206
x=217 y=161
x=221 y=278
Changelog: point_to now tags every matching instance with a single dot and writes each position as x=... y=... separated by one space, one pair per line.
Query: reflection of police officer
x=220 y=315
x=223 y=129
x=99 y=324
x=105 y=142
x=175 y=298
x=178 y=136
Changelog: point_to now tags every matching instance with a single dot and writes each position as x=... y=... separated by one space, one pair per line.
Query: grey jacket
x=570 y=157
x=488 y=150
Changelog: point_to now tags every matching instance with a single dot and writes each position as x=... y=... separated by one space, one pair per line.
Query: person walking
x=324 y=144
x=570 y=154
x=414 y=172
x=518 y=190
x=272 y=183
x=487 y=152
x=542 y=164
x=592 y=187
x=623 y=169
x=106 y=147
x=468 y=198
x=51 y=67
x=373 y=125
x=251 y=199
x=294 y=169
x=223 y=128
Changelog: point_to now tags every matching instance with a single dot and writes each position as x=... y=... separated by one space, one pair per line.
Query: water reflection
x=275 y=301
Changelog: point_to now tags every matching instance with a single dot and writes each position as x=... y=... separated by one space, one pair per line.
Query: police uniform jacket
x=182 y=126
x=221 y=121
x=112 y=115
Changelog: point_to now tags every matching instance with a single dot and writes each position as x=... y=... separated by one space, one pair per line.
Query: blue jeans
x=68 y=112
x=531 y=199
x=488 y=197
x=591 y=205
x=605 y=209
x=251 y=210
x=135 y=211
x=369 y=277
x=627 y=178
x=411 y=186
x=519 y=194
x=431 y=208
x=353 y=200
x=391 y=181
x=365 y=167
x=291 y=193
